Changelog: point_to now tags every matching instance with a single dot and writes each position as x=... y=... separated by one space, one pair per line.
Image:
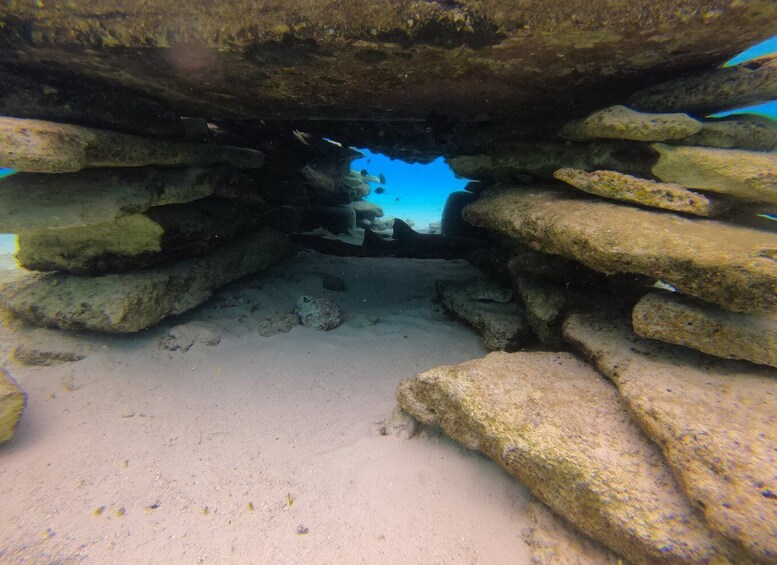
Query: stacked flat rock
x=182 y=230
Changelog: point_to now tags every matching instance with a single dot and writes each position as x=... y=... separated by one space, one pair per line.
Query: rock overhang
x=484 y=61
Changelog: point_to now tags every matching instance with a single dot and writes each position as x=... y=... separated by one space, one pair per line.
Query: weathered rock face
x=677 y=319
x=744 y=131
x=744 y=174
x=620 y=122
x=730 y=87
x=36 y=146
x=131 y=302
x=731 y=266
x=382 y=59
x=488 y=309
x=559 y=427
x=12 y=401
x=667 y=196
x=716 y=422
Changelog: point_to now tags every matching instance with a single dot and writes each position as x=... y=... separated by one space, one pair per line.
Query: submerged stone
x=715 y=420
x=750 y=175
x=37 y=146
x=126 y=303
x=39 y=201
x=12 y=402
x=742 y=131
x=726 y=88
x=320 y=314
x=728 y=265
x=618 y=186
x=620 y=122
x=674 y=318
x=43 y=346
x=557 y=426
x=486 y=308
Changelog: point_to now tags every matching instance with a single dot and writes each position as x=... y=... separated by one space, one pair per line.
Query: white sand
x=262 y=421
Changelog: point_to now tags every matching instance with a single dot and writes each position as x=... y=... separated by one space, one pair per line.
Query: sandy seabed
x=258 y=449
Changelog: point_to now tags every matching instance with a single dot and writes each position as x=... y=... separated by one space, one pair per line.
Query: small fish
x=301 y=136
x=364 y=172
x=382 y=178
x=380 y=190
x=397 y=199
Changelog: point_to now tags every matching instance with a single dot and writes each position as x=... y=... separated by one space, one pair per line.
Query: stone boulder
x=557 y=426
x=488 y=309
x=162 y=233
x=728 y=265
x=715 y=420
x=183 y=336
x=740 y=131
x=677 y=319
x=726 y=88
x=126 y=303
x=366 y=210
x=37 y=146
x=645 y=192
x=749 y=175
x=620 y=122
x=31 y=202
x=12 y=402
x=320 y=314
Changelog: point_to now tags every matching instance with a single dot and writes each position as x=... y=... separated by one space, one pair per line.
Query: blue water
x=764 y=48
x=412 y=191
x=6 y=172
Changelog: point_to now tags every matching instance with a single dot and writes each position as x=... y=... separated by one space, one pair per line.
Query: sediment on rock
x=741 y=131
x=559 y=427
x=620 y=122
x=12 y=402
x=37 y=146
x=677 y=319
x=728 y=265
x=715 y=420
x=126 y=303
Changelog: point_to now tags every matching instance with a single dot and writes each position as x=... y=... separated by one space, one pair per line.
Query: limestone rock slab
x=742 y=131
x=126 y=303
x=484 y=307
x=715 y=420
x=12 y=402
x=726 y=88
x=37 y=146
x=732 y=266
x=37 y=201
x=620 y=122
x=674 y=318
x=618 y=186
x=750 y=175
x=556 y=425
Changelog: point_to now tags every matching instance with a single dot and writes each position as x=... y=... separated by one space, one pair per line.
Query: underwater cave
x=430 y=281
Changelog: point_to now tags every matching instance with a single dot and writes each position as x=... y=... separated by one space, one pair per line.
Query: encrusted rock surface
x=723 y=89
x=556 y=425
x=126 y=303
x=618 y=186
x=184 y=336
x=674 y=318
x=39 y=201
x=546 y=306
x=320 y=314
x=162 y=233
x=486 y=308
x=728 y=265
x=37 y=146
x=620 y=122
x=745 y=174
x=378 y=59
x=742 y=131
x=554 y=542
x=715 y=420
x=12 y=402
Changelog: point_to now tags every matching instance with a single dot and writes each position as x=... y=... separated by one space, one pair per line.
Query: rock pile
x=637 y=246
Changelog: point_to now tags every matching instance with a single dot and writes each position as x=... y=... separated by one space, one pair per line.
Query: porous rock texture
x=646 y=192
x=556 y=425
x=12 y=402
x=37 y=146
x=740 y=131
x=744 y=174
x=728 y=265
x=620 y=122
x=368 y=59
x=674 y=318
x=126 y=303
x=716 y=422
